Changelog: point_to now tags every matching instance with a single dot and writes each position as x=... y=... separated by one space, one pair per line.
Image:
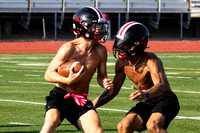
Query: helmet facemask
x=129 y=48
x=98 y=31
x=121 y=50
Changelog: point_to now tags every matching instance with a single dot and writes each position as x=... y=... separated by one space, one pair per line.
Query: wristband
x=146 y=94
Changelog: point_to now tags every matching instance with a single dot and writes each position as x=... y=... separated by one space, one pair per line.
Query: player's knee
x=96 y=130
x=99 y=130
x=52 y=117
x=153 y=126
x=128 y=124
x=49 y=126
x=121 y=126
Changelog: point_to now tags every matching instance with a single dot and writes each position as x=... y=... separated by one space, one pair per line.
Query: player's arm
x=61 y=57
x=109 y=94
x=158 y=76
x=102 y=77
x=155 y=67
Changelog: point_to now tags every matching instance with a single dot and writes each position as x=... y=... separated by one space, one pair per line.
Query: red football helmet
x=89 y=22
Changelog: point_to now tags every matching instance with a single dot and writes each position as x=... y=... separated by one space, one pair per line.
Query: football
x=64 y=69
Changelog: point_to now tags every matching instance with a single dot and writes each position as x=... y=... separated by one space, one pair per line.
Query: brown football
x=64 y=69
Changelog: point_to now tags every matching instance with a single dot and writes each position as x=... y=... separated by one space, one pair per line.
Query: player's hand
x=107 y=83
x=74 y=77
x=138 y=95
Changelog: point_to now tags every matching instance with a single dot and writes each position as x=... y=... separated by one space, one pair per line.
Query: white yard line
x=14 y=70
x=194 y=92
x=180 y=77
x=105 y=109
x=183 y=117
x=171 y=68
x=166 y=56
x=32 y=64
x=31 y=75
x=24 y=124
x=181 y=56
x=29 y=82
x=29 y=58
x=19 y=101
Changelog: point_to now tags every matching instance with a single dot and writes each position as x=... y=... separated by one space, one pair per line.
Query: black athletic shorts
x=67 y=106
x=167 y=104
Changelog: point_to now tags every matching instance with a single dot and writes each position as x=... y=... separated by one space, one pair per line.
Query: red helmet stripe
x=143 y=38
x=126 y=27
x=100 y=13
x=77 y=19
x=80 y=21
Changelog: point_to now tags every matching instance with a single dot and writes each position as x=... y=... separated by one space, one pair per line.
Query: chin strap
x=122 y=56
x=96 y=37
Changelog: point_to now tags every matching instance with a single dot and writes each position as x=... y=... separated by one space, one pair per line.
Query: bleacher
x=148 y=7
x=14 y=5
x=45 y=5
x=174 y=5
x=195 y=9
x=144 y=5
x=104 y=5
x=74 y=5
x=112 y=6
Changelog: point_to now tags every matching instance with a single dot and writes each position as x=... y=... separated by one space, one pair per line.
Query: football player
x=69 y=99
x=157 y=105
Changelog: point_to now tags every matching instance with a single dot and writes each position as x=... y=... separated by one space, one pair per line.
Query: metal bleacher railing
x=104 y=5
x=190 y=7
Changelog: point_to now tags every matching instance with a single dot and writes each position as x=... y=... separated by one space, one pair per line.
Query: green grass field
x=23 y=90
